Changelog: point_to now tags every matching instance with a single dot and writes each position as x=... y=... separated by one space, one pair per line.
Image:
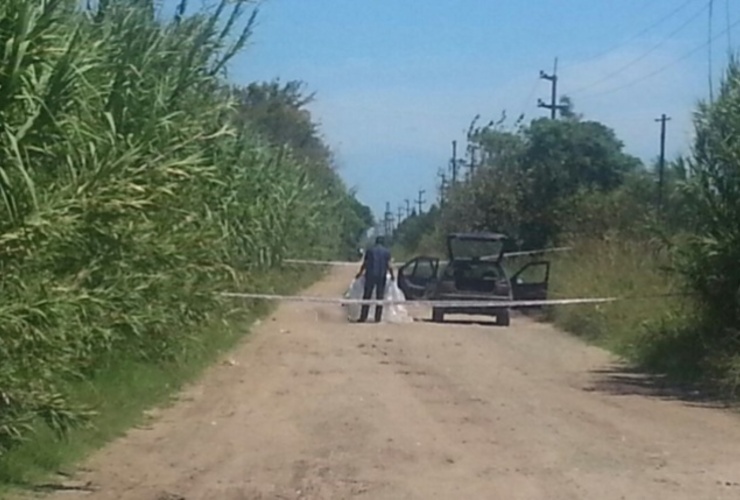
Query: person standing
x=375 y=266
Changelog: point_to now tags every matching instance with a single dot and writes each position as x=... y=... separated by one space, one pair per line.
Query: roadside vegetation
x=570 y=182
x=137 y=182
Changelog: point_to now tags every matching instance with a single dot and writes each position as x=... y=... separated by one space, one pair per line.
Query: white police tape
x=322 y=262
x=538 y=252
x=513 y=304
x=348 y=263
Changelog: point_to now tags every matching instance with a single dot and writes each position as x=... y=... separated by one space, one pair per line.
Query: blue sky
x=397 y=80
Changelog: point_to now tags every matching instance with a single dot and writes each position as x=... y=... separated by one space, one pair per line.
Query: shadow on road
x=461 y=322
x=629 y=381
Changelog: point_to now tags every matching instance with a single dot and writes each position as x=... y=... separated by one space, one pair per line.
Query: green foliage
x=563 y=158
x=655 y=328
x=408 y=235
x=614 y=267
x=710 y=254
x=626 y=211
x=531 y=176
x=279 y=115
x=131 y=190
x=358 y=218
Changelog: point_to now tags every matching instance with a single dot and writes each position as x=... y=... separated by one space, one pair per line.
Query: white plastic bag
x=355 y=291
x=391 y=314
x=396 y=313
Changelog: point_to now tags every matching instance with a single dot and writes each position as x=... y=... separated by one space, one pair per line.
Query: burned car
x=474 y=271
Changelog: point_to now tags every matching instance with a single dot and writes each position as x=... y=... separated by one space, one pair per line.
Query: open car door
x=416 y=275
x=531 y=281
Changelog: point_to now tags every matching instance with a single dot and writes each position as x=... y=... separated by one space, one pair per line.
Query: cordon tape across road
x=491 y=304
x=513 y=304
x=348 y=263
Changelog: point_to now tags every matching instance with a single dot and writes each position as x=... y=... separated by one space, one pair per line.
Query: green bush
x=129 y=194
x=615 y=268
x=709 y=256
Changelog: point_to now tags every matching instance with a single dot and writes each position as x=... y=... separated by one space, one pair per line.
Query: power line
x=709 y=51
x=531 y=94
x=638 y=35
x=729 y=28
x=652 y=49
x=670 y=64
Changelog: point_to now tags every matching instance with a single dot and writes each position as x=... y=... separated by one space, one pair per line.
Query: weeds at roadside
x=123 y=388
x=660 y=331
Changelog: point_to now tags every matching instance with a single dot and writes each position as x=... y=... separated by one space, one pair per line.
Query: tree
x=710 y=257
x=531 y=177
x=410 y=232
x=563 y=158
x=567 y=111
x=278 y=114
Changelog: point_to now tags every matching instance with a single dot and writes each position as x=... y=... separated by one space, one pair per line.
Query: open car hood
x=488 y=246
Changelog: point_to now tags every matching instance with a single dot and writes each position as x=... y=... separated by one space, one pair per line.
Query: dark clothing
x=377 y=262
x=377 y=283
x=377 y=259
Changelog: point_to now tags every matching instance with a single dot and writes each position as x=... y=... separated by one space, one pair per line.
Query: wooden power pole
x=553 y=106
x=420 y=201
x=661 y=165
x=453 y=163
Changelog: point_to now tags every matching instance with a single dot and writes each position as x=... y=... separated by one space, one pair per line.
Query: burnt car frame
x=474 y=271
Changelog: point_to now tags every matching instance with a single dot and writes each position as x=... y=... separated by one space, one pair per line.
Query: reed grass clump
x=129 y=194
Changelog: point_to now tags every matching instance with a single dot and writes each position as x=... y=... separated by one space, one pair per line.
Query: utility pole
x=387 y=219
x=442 y=187
x=471 y=166
x=400 y=214
x=408 y=207
x=661 y=165
x=454 y=163
x=420 y=201
x=553 y=106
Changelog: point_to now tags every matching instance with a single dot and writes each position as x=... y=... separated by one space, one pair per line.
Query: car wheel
x=438 y=316
x=502 y=318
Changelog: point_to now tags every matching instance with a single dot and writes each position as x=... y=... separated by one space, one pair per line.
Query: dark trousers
x=377 y=283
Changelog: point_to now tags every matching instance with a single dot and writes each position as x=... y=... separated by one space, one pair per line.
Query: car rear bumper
x=472 y=311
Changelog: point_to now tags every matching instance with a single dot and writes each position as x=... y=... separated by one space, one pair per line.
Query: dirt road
x=315 y=408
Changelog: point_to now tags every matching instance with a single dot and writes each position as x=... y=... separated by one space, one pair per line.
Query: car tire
x=438 y=316
x=503 y=319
